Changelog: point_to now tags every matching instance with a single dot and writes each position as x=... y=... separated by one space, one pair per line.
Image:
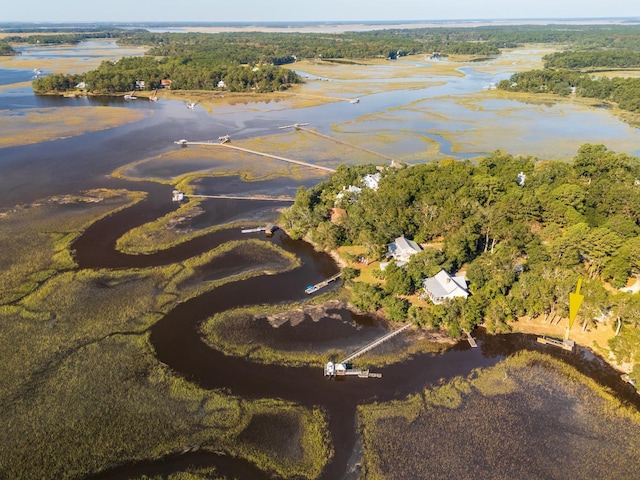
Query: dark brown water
x=68 y=166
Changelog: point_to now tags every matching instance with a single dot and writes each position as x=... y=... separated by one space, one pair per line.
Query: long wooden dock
x=564 y=344
x=247 y=197
x=225 y=144
x=314 y=288
x=375 y=343
x=342 y=142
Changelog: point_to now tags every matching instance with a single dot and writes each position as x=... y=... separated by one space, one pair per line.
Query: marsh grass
x=110 y=402
x=531 y=416
x=82 y=391
x=282 y=435
x=36 y=238
x=235 y=333
x=23 y=127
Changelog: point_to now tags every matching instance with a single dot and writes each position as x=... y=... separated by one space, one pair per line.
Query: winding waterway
x=67 y=166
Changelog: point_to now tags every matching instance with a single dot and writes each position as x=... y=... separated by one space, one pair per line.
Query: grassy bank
x=45 y=124
x=484 y=425
x=81 y=388
x=36 y=238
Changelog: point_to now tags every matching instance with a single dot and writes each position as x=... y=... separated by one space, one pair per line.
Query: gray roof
x=443 y=285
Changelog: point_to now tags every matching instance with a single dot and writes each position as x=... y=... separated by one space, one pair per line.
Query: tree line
x=625 y=92
x=185 y=74
x=523 y=244
x=593 y=59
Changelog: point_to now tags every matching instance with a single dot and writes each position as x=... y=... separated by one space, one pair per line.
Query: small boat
x=191 y=105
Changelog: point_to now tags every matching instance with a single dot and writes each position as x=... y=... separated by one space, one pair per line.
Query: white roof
x=407 y=246
x=443 y=285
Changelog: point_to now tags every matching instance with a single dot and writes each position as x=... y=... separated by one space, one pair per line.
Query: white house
x=371 y=180
x=221 y=84
x=402 y=248
x=443 y=286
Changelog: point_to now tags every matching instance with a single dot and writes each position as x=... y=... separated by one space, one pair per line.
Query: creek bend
x=177 y=342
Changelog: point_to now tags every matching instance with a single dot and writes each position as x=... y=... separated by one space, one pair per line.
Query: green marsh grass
x=531 y=416
x=36 y=238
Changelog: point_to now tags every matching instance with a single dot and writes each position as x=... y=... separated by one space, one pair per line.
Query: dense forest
x=625 y=92
x=201 y=61
x=523 y=244
x=187 y=74
x=572 y=71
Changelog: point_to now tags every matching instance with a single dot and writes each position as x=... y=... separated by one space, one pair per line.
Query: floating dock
x=314 y=288
x=564 y=344
x=253 y=230
x=343 y=370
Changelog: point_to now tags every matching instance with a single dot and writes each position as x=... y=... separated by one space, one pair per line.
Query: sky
x=309 y=10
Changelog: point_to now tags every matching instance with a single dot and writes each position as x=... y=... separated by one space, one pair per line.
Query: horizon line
x=312 y=22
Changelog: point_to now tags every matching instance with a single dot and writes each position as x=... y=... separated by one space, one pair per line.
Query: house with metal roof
x=401 y=249
x=442 y=286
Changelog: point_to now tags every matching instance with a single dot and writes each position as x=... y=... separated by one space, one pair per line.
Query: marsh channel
x=71 y=165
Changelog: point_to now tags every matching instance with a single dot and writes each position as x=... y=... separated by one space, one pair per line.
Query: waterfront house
x=401 y=249
x=442 y=286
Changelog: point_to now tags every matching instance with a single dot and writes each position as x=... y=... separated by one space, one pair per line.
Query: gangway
x=375 y=343
x=345 y=368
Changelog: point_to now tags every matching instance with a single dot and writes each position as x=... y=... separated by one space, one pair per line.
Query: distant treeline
x=63 y=37
x=248 y=61
x=6 y=49
x=282 y=48
x=593 y=59
x=184 y=73
x=623 y=91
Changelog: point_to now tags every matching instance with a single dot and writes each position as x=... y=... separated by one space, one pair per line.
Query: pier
x=345 y=368
x=253 y=230
x=225 y=143
x=314 y=288
x=471 y=340
x=375 y=343
x=246 y=197
x=564 y=344
x=342 y=142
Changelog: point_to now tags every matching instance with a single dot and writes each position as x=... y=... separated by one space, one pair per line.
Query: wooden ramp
x=314 y=288
x=375 y=343
x=248 y=197
x=225 y=144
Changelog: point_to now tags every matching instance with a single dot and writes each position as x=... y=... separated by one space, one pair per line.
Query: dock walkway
x=314 y=288
x=225 y=144
x=374 y=344
x=247 y=197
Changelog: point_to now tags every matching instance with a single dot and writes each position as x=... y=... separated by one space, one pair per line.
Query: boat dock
x=247 y=197
x=314 y=288
x=564 y=344
x=253 y=230
x=375 y=343
x=225 y=143
x=345 y=368
x=471 y=340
